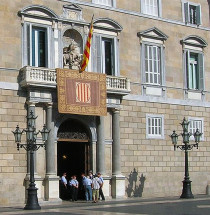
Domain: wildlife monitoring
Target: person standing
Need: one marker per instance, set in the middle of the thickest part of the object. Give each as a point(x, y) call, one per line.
point(90, 174)
point(87, 186)
point(63, 188)
point(101, 194)
point(74, 184)
point(96, 187)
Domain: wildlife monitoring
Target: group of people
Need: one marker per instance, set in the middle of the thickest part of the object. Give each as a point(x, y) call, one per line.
point(92, 186)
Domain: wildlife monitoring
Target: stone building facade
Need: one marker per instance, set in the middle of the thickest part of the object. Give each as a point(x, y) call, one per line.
point(155, 54)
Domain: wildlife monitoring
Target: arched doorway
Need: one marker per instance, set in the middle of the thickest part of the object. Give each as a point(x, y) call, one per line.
point(73, 149)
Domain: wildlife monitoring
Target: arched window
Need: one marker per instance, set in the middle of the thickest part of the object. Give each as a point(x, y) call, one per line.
point(37, 36)
point(105, 48)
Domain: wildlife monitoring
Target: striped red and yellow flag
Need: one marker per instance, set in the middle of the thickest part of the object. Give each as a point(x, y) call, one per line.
point(86, 53)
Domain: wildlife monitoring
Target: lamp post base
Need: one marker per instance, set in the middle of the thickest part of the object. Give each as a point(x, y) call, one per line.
point(186, 192)
point(32, 201)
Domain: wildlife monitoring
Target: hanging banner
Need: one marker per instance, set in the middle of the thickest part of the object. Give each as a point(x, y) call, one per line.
point(81, 93)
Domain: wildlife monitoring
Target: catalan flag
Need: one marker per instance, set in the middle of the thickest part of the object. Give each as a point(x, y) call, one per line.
point(86, 53)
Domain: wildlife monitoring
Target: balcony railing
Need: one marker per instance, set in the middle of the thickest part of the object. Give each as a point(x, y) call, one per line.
point(42, 77)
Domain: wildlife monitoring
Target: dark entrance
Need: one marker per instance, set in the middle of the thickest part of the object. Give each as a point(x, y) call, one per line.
point(72, 158)
point(73, 151)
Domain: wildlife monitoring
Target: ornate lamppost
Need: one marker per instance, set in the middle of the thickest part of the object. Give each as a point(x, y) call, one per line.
point(31, 146)
point(186, 191)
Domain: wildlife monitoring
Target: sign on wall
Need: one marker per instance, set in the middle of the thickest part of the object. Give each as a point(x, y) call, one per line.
point(81, 93)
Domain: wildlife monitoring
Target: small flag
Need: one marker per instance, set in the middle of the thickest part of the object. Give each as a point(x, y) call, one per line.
point(86, 53)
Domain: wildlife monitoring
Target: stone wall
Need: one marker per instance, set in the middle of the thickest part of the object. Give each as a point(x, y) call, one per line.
point(158, 165)
point(12, 162)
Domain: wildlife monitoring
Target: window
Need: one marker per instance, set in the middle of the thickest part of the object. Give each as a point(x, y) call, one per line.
point(104, 56)
point(151, 7)
point(154, 127)
point(194, 68)
point(152, 64)
point(104, 2)
point(107, 59)
point(39, 49)
point(192, 13)
point(105, 52)
point(196, 123)
point(39, 37)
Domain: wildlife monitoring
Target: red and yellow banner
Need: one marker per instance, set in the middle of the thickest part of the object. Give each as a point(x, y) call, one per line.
point(86, 53)
point(81, 93)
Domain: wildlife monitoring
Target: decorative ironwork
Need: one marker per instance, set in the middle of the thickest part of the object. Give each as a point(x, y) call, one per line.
point(31, 146)
point(186, 191)
point(73, 135)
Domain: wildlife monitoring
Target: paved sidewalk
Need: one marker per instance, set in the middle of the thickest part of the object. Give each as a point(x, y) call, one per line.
point(200, 205)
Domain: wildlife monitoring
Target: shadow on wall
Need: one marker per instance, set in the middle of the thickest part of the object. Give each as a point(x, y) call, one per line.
point(134, 190)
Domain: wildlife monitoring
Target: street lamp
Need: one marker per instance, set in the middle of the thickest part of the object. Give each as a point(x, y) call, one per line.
point(186, 191)
point(31, 145)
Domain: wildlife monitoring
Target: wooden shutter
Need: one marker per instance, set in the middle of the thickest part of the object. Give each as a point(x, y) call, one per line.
point(142, 6)
point(186, 12)
point(200, 71)
point(198, 15)
point(28, 30)
point(162, 66)
point(116, 57)
point(96, 53)
point(187, 68)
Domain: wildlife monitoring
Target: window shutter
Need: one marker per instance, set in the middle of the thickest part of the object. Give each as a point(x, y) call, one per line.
point(201, 71)
point(142, 6)
point(198, 15)
point(116, 56)
point(162, 66)
point(187, 68)
point(186, 12)
point(28, 45)
point(96, 53)
point(143, 75)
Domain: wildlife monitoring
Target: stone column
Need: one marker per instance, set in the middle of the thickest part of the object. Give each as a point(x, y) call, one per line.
point(100, 155)
point(116, 165)
point(50, 144)
point(100, 147)
point(118, 180)
point(51, 179)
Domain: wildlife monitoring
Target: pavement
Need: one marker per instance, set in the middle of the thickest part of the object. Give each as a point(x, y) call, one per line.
point(200, 205)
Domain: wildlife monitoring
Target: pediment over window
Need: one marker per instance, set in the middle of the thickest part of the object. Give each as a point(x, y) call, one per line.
point(73, 7)
point(38, 11)
point(108, 24)
point(153, 33)
point(194, 40)
point(72, 11)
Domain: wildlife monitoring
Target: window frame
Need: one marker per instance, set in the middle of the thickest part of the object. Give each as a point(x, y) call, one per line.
point(97, 66)
point(200, 68)
point(162, 63)
point(186, 12)
point(190, 119)
point(27, 44)
point(113, 3)
point(159, 5)
point(154, 136)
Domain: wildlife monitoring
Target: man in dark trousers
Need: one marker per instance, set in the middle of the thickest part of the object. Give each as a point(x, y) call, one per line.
point(101, 186)
point(74, 184)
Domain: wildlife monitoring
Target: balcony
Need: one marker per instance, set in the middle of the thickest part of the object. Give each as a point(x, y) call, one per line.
point(43, 77)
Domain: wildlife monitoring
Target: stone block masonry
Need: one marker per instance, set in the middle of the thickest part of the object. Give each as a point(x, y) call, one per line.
point(155, 160)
